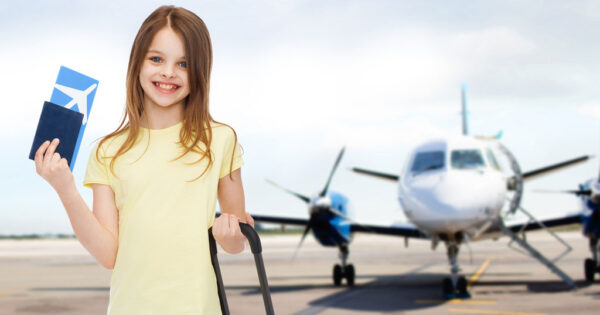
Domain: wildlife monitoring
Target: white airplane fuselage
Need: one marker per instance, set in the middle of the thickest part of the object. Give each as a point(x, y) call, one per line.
point(451, 186)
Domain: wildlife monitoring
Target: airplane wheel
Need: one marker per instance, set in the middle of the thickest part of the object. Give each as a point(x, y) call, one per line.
point(590, 269)
point(350, 275)
point(447, 286)
point(461, 285)
point(337, 275)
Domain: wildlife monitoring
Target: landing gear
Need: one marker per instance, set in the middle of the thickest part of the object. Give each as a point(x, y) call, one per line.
point(454, 286)
point(337, 275)
point(461, 286)
point(451, 291)
point(343, 270)
point(590, 265)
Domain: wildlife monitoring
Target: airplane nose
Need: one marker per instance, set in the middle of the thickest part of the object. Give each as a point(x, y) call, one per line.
point(468, 189)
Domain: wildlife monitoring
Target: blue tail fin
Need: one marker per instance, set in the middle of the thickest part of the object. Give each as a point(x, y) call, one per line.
point(465, 113)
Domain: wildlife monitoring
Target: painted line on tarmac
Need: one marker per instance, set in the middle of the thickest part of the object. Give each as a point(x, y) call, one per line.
point(476, 276)
point(336, 297)
point(458, 301)
point(489, 312)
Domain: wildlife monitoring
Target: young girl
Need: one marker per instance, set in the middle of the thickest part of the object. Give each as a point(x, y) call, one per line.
point(156, 178)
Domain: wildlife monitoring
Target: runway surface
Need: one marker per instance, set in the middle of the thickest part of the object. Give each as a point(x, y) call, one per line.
point(59, 277)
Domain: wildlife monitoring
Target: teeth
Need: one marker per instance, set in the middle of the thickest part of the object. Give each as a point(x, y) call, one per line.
point(165, 86)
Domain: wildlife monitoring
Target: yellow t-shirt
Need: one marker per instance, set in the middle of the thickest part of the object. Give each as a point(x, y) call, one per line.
point(163, 261)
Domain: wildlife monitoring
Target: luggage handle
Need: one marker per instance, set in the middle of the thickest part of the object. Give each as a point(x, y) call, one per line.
point(256, 248)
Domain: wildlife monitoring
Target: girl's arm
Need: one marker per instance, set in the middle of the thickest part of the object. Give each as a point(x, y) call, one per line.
point(226, 228)
point(97, 231)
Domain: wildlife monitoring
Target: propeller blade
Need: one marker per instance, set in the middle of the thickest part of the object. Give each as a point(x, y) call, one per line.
point(579, 192)
point(345, 217)
point(337, 162)
point(308, 226)
point(341, 215)
point(300, 196)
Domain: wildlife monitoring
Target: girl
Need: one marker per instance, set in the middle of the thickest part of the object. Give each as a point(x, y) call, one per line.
point(157, 177)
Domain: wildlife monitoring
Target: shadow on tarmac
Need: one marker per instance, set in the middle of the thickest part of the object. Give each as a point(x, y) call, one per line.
point(411, 291)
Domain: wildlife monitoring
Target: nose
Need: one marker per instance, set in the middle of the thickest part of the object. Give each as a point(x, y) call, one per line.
point(167, 71)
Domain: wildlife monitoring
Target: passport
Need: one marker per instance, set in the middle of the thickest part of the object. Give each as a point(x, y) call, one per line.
point(58, 122)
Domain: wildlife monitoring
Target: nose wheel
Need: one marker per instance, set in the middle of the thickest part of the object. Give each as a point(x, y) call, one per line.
point(344, 270)
point(452, 291)
point(454, 286)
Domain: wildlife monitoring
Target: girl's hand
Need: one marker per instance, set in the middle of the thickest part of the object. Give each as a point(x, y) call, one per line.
point(50, 166)
point(249, 219)
point(226, 230)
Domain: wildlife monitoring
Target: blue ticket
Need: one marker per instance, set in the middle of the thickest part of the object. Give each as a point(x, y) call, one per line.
point(75, 91)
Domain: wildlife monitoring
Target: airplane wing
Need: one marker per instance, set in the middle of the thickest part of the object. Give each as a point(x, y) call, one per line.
point(279, 220)
point(549, 222)
point(405, 229)
point(555, 167)
point(396, 229)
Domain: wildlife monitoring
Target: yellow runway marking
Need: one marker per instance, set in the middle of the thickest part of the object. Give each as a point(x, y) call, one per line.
point(457, 301)
point(471, 311)
point(478, 273)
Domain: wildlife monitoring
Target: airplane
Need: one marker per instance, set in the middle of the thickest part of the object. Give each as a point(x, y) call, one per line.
point(589, 193)
point(452, 191)
point(79, 97)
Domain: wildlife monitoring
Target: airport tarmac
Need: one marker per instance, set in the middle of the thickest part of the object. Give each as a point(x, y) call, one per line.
point(59, 277)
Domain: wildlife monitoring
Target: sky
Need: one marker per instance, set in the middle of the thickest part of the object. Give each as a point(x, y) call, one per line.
point(298, 80)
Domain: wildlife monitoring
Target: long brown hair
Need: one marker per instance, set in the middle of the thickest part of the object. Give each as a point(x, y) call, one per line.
point(196, 127)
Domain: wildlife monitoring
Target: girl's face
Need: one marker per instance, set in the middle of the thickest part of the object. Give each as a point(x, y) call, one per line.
point(163, 75)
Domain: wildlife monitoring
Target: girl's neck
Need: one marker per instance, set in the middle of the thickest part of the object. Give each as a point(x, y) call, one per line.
point(157, 117)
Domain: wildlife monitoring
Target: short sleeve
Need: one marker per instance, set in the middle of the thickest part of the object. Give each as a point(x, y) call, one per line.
point(97, 171)
point(232, 151)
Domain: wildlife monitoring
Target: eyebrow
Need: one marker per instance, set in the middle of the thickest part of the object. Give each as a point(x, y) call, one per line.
point(161, 53)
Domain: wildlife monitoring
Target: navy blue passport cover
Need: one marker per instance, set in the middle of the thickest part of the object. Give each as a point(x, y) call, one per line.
point(57, 122)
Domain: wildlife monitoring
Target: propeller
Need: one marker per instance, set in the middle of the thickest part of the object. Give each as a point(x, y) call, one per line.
point(579, 192)
point(306, 230)
point(590, 189)
point(300, 196)
point(337, 162)
point(311, 222)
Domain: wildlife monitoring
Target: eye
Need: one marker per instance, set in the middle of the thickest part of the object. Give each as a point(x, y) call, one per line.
point(183, 64)
point(155, 59)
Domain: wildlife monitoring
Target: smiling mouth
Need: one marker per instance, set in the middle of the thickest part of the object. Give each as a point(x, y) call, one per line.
point(166, 86)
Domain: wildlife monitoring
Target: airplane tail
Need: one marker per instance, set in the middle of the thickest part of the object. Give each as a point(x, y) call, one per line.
point(465, 121)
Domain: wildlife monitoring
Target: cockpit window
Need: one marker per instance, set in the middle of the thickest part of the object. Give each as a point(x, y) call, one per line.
point(466, 159)
point(492, 159)
point(425, 161)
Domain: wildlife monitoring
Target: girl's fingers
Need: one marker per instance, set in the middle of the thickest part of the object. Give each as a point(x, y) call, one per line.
point(55, 158)
point(249, 219)
point(234, 225)
point(221, 224)
point(50, 152)
point(39, 155)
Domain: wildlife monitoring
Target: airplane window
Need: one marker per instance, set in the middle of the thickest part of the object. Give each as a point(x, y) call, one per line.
point(464, 159)
point(425, 161)
point(492, 159)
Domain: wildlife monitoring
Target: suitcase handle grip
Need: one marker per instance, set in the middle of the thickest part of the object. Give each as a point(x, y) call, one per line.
point(249, 233)
point(252, 237)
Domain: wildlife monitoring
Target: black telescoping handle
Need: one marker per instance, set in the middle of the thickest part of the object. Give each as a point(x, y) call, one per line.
point(215, 262)
point(256, 248)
